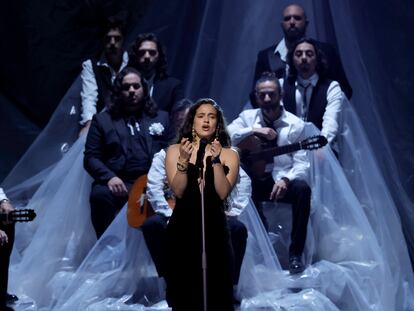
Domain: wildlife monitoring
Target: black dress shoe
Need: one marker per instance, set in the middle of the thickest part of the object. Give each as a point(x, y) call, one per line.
point(295, 265)
point(10, 298)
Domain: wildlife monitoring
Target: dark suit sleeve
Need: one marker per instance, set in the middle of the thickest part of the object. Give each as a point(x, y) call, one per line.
point(94, 149)
point(336, 71)
point(178, 93)
point(169, 134)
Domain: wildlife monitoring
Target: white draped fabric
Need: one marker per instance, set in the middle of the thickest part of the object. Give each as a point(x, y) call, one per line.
point(351, 265)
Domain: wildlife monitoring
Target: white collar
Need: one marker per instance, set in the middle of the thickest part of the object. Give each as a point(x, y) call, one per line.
point(313, 79)
point(282, 50)
point(279, 122)
point(104, 62)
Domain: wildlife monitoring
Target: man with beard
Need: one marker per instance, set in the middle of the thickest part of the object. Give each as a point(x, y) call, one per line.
point(283, 179)
point(121, 144)
point(148, 56)
point(98, 74)
point(274, 58)
point(308, 93)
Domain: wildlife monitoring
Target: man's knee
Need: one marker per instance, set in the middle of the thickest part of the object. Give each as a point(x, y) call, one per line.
point(237, 228)
point(301, 187)
point(100, 194)
point(154, 223)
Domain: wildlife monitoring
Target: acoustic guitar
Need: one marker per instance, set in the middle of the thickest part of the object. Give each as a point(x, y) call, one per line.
point(18, 215)
point(255, 154)
point(139, 209)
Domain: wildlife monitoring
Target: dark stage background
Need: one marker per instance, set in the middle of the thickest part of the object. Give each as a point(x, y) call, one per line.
point(211, 45)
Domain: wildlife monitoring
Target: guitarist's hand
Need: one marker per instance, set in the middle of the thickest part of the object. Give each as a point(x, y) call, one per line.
point(3, 238)
point(6, 207)
point(279, 190)
point(117, 186)
point(265, 132)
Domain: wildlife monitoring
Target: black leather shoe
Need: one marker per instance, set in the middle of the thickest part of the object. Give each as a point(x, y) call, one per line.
point(10, 298)
point(295, 265)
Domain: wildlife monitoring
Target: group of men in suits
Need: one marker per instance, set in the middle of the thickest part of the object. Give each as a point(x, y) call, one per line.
point(115, 168)
point(308, 70)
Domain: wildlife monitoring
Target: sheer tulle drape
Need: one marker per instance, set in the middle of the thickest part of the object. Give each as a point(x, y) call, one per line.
point(350, 265)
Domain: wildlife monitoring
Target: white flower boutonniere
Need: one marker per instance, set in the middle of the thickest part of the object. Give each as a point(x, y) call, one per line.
point(156, 129)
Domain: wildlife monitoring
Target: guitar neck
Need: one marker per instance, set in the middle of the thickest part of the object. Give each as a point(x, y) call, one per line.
point(19, 215)
point(269, 153)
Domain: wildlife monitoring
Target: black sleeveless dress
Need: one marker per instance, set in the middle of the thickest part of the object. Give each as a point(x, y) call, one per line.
point(184, 275)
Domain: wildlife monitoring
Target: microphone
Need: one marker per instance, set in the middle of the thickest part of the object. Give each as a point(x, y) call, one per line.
point(200, 153)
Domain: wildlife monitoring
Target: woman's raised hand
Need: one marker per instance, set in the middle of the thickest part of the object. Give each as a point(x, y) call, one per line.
point(186, 149)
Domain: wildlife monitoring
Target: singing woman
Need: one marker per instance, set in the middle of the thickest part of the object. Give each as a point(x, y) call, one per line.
point(212, 177)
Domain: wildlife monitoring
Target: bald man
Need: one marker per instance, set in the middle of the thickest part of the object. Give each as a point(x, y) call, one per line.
point(274, 58)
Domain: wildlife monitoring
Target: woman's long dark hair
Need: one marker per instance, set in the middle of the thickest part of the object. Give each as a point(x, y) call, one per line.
point(221, 132)
point(116, 108)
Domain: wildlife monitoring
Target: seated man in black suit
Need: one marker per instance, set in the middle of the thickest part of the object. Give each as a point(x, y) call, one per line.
point(274, 58)
point(120, 145)
point(148, 56)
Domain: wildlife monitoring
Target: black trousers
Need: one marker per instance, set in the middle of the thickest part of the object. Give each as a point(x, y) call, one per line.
point(104, 206)
point(299, 195)
point(155, 235)
point(154, 230)
point(5, 252)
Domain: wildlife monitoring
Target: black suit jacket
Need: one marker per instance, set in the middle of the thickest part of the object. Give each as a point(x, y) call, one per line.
point(167, 92)
point(268, 61)
point(106, 146)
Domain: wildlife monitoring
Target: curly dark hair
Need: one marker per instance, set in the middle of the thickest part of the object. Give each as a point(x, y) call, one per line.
point(186, 130)
point(114, 22)
point(116, 107)
point(321, 61)
point(161, 66)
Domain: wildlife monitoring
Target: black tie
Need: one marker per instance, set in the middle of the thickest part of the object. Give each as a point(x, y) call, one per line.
point(133, 126)
point(305, 101)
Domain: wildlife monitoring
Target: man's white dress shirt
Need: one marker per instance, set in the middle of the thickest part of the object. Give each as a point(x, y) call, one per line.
point(289, 128)
point(89, 92)
point(2, 195)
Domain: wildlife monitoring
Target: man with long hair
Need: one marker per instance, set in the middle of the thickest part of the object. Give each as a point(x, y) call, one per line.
point(274, 58)
point(147, 54)
point(308, 93)
point(120, 145)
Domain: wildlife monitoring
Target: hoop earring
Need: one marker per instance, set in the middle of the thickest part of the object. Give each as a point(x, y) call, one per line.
point(193, 133)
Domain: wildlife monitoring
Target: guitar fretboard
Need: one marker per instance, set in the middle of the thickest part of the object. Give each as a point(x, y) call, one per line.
point(269, 153)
